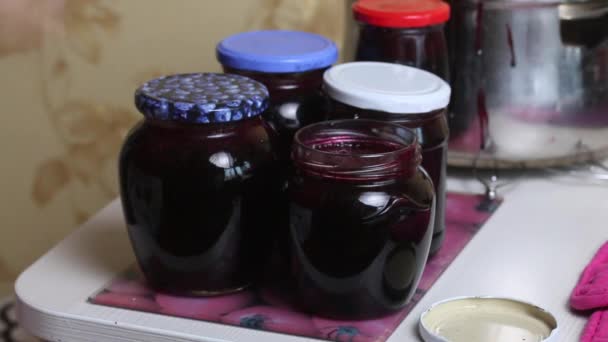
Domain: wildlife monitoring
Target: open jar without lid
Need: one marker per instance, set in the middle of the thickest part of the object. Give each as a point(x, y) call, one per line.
point(402, 95)
point(196, 178)
point(361, 212)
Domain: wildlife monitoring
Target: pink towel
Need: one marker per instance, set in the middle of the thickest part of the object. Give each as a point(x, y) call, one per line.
point(597, 328)
point(591, 292)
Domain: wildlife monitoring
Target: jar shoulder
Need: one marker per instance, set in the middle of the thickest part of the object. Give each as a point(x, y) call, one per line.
point(149, 144)
point(314, 191)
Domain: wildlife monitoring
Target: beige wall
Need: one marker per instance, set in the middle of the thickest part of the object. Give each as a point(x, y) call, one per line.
point(69, 69)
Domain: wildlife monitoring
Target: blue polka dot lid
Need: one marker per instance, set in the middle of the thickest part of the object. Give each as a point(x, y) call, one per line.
point(201, 98)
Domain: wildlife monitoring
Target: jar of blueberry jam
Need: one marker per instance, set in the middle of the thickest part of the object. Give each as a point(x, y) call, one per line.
point(361, 212)
point(291, 65)
point(406, 32)
point(197, 176)
point(402, 95)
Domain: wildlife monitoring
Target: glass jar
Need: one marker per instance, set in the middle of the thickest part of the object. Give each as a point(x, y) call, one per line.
point(406, 32)
point(196, 179)
point(291, 65)
point(361, 211)
point(402, 95)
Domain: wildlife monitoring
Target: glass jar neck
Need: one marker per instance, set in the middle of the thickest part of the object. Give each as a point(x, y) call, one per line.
point(412, 30)
point(284, 84)
point(504, 4)
point(209, 130)
point(356, 150)
point(431, 127)
point(343, 108)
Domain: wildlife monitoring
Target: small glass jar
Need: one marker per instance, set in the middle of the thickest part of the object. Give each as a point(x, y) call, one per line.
point(196, 179)
point(406, 32)
point(402, 95)
point(291, 65)
point(361, 212)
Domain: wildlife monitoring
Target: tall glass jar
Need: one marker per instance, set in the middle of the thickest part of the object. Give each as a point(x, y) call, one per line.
point(197, 176)
point(406, 32)
point(291, 65)
point(361, 211)
point(402, 95)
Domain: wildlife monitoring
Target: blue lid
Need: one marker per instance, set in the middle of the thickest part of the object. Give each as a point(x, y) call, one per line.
point(277, 51)
point(201, 98)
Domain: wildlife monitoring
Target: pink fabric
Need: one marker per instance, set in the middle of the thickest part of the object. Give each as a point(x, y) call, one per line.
point(591, 292)
point(597, 328)
point(271, 309)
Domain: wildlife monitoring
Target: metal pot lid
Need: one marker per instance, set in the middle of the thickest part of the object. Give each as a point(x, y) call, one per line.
point(466, 319)
point(509, 4)
point(577, 10)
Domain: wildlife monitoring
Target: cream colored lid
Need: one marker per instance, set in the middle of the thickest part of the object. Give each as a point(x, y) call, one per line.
point(482, 319)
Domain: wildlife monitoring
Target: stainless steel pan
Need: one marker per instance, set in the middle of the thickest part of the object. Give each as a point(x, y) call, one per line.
point(529, 81)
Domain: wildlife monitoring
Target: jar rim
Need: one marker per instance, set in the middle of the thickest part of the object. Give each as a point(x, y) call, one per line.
point(297, 137)
point(402, 159)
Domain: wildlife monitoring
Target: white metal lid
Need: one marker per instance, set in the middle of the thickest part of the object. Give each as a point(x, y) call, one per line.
point(465, 319)
point(386, 87)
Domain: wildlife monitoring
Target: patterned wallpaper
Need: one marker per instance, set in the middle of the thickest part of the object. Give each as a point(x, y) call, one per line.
point(69, 70)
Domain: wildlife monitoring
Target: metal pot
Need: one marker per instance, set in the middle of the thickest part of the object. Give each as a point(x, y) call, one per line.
point(529, 82)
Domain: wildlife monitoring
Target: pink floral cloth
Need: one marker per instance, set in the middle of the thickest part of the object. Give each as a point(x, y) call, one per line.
point(270, 310)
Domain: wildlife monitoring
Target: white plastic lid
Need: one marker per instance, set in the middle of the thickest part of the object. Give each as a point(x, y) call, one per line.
point(386, 87)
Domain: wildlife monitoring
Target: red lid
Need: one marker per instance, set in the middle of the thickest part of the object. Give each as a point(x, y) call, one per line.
point(402, 13)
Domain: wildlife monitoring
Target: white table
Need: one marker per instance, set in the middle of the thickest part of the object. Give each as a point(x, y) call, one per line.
point(533, 248)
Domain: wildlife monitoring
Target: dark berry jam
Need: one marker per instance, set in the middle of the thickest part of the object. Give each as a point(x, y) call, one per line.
point(197, 178)
point(296, 101)
point(423, 48)
point(432, 133)
point(408, 32)
point(291, 65)
point(401, 95)
point(361, 212)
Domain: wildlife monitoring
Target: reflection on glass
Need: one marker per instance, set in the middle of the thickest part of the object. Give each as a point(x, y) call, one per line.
point(374, 199)
point(289, 114)
point(223, 160)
